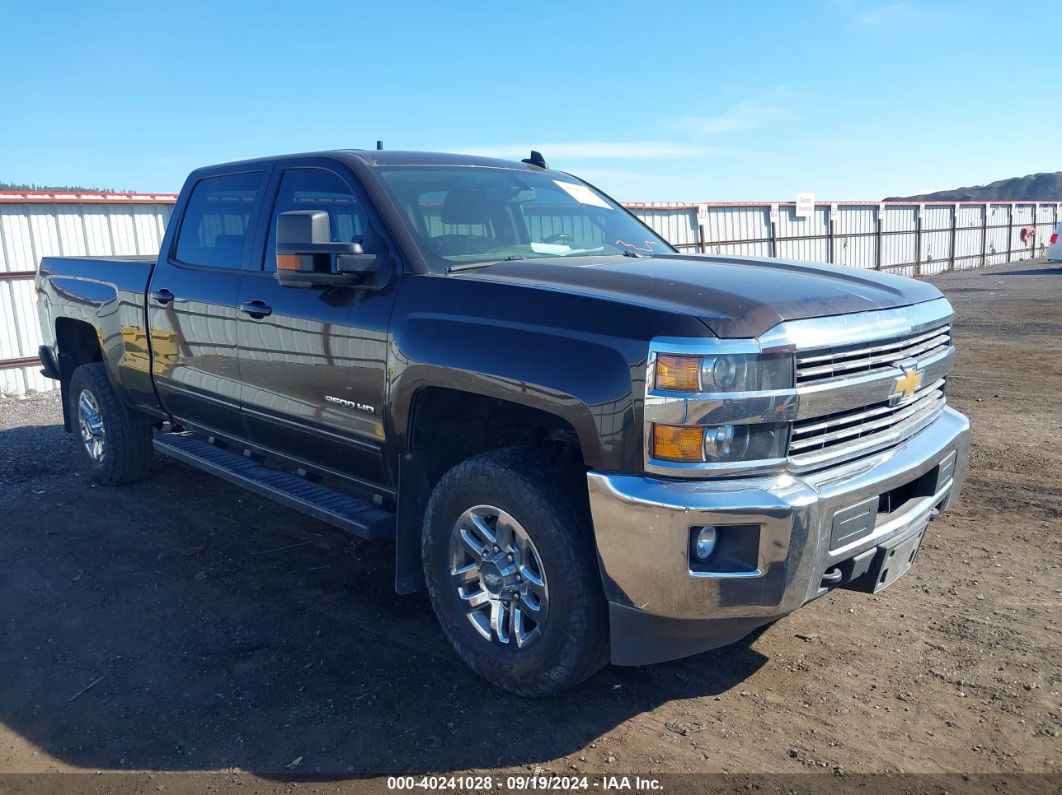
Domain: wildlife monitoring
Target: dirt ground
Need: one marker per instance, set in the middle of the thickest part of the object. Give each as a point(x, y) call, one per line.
point(217, 631)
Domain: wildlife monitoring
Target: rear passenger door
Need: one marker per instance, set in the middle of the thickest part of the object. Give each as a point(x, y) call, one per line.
point(191, 301)
point(313, 360)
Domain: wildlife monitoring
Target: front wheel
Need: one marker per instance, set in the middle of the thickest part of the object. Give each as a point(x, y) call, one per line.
point(512, 572)
point(114, 446)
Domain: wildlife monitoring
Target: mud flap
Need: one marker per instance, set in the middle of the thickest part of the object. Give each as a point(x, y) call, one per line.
point(414, 489)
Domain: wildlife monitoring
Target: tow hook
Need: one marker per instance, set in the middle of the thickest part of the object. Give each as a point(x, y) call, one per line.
point(832, 577)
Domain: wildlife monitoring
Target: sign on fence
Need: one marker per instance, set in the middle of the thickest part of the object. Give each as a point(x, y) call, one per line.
point(805, 205)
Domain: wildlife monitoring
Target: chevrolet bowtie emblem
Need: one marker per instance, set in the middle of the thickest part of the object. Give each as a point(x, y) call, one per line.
point(907, 384)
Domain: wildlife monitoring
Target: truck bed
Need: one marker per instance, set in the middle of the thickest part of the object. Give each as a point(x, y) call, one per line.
point(125, 274)
point(106, 295)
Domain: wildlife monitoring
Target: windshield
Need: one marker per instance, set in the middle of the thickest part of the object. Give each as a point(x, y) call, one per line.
point(467, 215)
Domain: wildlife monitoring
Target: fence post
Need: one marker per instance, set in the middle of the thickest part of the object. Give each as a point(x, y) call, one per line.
point(773, 220)
point(702, 222)
point(829, 234)
point(1010, 230)
point(984, 237)
point(877, 242)
point(918, 239)
point(954, 234)
point(1055, 219)
point(1036, 228)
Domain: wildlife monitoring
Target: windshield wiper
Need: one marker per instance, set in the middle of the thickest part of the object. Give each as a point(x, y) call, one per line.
point(630, 252)
point(469, 266)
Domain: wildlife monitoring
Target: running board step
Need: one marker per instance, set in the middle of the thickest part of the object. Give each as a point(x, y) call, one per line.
point(353, 515)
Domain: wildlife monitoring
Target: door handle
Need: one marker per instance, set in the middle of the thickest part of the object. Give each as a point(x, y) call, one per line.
point(256, 309)
point(163, 296)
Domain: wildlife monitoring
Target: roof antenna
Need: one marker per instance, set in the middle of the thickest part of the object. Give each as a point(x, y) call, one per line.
point(536, 159)
point(379, 146)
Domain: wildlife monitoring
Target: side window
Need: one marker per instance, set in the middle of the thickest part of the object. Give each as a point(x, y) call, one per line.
point(319, 189)
point(216, 220)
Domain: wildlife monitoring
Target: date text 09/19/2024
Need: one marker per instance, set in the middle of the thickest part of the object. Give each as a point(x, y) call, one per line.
point(521, 783)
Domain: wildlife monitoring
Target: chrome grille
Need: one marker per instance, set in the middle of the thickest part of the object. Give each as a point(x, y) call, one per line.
point(844, 362)
point(847, 433)
point(846, 402)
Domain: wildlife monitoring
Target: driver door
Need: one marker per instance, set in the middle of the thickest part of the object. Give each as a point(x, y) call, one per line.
point(313, 361)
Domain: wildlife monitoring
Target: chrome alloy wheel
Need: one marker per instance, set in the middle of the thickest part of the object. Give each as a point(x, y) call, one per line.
point(499, 578)
point(93, 434)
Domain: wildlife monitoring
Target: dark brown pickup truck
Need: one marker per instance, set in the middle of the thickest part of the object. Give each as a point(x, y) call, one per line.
point(586, 445)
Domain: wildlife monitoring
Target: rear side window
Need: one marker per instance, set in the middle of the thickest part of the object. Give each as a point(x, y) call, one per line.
point(216, 221)
point(319, 189)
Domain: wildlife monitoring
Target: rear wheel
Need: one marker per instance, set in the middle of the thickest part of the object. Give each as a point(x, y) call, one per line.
point(512, 573)
point(114, 447)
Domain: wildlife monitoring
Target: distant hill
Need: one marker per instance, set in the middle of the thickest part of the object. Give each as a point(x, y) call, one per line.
point(57, 188)
point(1035, 187)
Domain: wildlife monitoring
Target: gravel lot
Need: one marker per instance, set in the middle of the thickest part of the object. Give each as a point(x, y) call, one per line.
point(215, 631)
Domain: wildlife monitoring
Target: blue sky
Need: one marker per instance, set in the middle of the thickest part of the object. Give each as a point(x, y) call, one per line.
point(651, 101)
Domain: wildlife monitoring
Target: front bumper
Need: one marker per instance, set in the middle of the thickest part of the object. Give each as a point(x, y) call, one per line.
point(661, 608)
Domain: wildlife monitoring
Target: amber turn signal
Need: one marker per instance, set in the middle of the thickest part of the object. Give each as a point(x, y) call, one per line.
point(675, 443)
point(678, 373)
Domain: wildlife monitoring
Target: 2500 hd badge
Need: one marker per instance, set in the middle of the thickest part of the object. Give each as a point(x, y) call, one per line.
point(350, 404)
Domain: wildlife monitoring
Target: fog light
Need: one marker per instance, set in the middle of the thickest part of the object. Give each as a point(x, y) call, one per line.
point(705, 543)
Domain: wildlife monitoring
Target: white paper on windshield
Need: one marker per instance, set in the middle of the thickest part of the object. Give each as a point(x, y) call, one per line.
point(582, 194)
point(551, 248)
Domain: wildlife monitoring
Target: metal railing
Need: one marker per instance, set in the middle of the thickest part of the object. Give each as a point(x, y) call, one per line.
point(919, 238)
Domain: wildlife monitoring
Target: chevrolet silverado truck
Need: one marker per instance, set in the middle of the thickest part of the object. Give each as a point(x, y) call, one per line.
point(586, 445)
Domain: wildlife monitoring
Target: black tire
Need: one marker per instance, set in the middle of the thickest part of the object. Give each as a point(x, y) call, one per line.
point(543, 496)
point(126, 453)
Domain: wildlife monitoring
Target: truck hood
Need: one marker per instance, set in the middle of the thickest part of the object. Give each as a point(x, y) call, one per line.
point(733, 296)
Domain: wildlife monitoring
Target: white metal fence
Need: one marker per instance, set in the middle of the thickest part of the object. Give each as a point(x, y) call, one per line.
point(35, 225)
point(909, 238)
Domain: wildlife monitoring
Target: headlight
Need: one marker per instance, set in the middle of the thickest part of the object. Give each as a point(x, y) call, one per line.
point(719, 444)
point(723, 443)
point(717, 406)
point(720, 373)
point(735, 372)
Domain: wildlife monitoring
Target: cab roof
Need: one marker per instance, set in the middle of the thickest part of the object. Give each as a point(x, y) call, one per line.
point(398, 157)
point(391, 157)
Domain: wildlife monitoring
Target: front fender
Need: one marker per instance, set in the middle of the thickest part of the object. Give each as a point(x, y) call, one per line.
point(579, 358)
point(582, 380)
point(585, 382)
